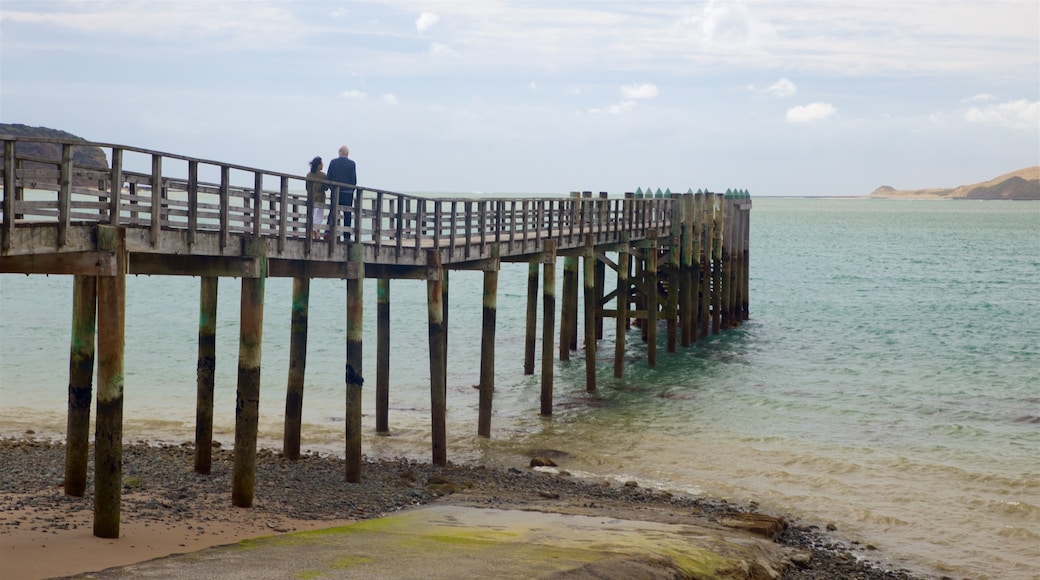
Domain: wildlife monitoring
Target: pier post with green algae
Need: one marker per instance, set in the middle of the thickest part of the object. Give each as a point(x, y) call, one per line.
point(205, 368)
point(301, 292)
point(651, 299)
point(623, 288)
point(383, 355)
point(438, 356)
point(354, 376)
point(532, 316)
point(548, 323)
point(108, 427)
point(487, 344)
point(247, 398)
point(81, 376)
point(589, 282)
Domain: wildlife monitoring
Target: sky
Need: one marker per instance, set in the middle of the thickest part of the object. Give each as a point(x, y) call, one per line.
point(779, 97)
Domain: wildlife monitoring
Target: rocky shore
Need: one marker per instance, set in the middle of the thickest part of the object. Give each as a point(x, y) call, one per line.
point(160, 490)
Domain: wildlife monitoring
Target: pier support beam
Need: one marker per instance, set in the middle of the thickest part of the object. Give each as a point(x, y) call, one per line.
point(438, 357)
point(205, 368)
point(247, 398)
point(81, 385)
point(532, 316)
point(651, 300)
point(354, 378)
point(687, 278)
point(548, 324)
point(383, 355)
point(622, 307)
point(108, 428)
point(301, 292)
point(705, 202)
point(600, 277)
point(589, 283)
point(487, 346)
point(718, 221)
point(569, 310)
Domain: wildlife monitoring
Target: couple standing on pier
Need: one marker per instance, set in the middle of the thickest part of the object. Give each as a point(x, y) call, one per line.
point(342, 170)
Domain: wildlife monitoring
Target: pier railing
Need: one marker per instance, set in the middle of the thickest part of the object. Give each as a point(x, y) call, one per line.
point(174, 201)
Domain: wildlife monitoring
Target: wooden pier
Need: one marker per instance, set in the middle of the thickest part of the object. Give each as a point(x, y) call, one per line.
point(681, 262)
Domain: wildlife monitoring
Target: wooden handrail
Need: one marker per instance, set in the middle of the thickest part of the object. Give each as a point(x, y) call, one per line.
point(177, 199)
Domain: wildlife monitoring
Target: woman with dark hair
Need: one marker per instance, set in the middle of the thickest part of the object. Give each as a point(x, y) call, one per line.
point(316, 192)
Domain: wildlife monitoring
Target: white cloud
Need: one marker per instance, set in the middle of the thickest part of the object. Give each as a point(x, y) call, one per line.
point(353, 94)
point(425, 21)
point(644, 91)
point(389, 98)
point(810, 113)
point(980, 98)
point(441, 50)
point(1020, 114)
point(782, 88)
point(617, 109)
point(728, 26)
point(532, 85)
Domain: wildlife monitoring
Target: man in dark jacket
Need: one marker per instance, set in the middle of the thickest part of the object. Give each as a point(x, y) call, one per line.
point(343, 170)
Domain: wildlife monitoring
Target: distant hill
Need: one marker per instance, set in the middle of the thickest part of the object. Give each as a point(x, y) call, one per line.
point(92, 157)
point(1018, 185)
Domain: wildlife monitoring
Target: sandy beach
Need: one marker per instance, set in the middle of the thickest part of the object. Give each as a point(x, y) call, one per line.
point(168, 509)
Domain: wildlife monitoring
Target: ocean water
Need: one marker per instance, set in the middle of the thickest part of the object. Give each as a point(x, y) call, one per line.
point(888, 380)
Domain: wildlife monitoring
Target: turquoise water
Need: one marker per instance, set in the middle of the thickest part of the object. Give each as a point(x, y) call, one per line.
point(888, 380)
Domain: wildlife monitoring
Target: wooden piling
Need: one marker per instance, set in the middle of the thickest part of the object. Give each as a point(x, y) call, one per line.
point(108, 427)
point(548, 323)
point(438, 356)
point(301, 291)
point(383, 355)
point(746, 258)
point(651, 299)
point(569, 308)
point(600, 279)
point(718, 222)
point(589, 282)
point(672, 301)
point(686, 276)
point(247, 399)
point(354, 376)
point(622, 307)
point(728, 270)
point(532, 316)
point(445, 290)
point(204, 374)
point(81, 386)
point(487, 346)
point(704, 282)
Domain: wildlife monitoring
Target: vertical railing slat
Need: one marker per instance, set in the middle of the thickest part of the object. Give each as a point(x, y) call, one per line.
point(156, 209)
point(225, 210)
point(64, 194)
point(258, 189)
point(283, 213)
point(193, 200)
point(9, 195)
point(400, 230)
point(378, 220)
point(115, 187)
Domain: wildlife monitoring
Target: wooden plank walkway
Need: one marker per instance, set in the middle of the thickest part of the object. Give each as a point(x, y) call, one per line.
point(681, 260)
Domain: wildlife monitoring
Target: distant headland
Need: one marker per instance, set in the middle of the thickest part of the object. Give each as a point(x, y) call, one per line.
point(1023, 184)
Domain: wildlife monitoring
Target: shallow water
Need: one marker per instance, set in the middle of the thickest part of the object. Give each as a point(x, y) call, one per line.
point(888, 380)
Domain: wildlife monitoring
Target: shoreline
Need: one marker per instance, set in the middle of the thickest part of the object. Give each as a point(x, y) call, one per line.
point(168, 509)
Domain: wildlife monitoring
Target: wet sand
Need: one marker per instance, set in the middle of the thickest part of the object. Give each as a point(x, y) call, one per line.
point(168, 509)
